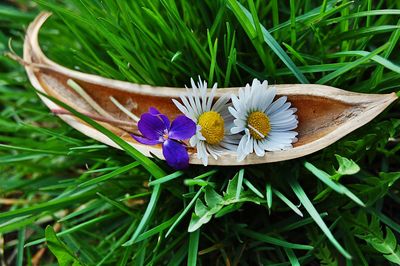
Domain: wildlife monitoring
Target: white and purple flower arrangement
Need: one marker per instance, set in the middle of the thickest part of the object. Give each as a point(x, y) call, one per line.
point(251, 122)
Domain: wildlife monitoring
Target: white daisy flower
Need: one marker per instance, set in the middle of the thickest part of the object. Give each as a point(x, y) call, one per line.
point(213, 136)
point(267, 125)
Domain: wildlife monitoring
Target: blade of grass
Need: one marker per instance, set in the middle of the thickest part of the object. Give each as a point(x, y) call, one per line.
point(20, 248)
point(245, 19)
point(326, 179)
point(166, 178)
point(146, 216)
point(77, 227)
point(301, 195)
point(239, 186)
point(292, 257)
point(158, 229)
point(112, 174)
point(379, 59)
point(184, 212)
point(253, 188)
point(193, 247)
point(268, 193)
point(287, 201)
point(271, 240)
point(351, 65)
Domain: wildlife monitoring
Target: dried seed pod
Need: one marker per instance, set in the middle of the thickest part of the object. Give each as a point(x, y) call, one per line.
point(325, 114)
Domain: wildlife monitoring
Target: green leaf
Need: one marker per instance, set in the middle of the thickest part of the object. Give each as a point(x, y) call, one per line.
point(228, 209)
point(346, 166)
point(212, 198)
point(232, 187)
point(218, 205)
point(200, 209)
point(373, 235)
point(202, 215)
point(197, 221)
point(63, 254)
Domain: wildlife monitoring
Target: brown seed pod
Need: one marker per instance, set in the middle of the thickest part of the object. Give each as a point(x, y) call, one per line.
point(325, 114)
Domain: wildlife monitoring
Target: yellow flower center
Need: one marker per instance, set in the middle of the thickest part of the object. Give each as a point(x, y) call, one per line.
point(259, 126)
point(212, 127)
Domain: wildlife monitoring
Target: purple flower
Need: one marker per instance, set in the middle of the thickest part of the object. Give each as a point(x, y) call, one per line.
point(156, 128)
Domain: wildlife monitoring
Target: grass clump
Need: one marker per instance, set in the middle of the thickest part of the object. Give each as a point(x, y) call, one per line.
point(95, 205)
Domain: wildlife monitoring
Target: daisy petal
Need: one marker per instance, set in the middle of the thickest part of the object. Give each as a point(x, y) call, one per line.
point(180, 107)
point(259, 151)
point(276, 105)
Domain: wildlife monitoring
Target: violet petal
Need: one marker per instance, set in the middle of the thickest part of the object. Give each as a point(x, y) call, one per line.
point(175, 154)
point(145, 140)
point(157, 113)
point(151, 127)
point(154, 111)
point(182, 128)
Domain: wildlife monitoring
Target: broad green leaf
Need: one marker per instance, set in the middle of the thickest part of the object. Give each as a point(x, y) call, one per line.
point(63, 254)
point(232, 186)
point(212, 198)
point(346, 166)
point(200, 209)
point(196, 222)
point(228, 209)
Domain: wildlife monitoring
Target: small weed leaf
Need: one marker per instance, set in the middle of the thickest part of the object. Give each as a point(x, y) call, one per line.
point(346, 166)
point(63, 254)
point(218, 205)
point(373, 235)
point(321, 251)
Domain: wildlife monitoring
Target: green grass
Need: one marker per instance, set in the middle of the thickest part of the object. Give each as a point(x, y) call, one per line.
point(95, 205)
